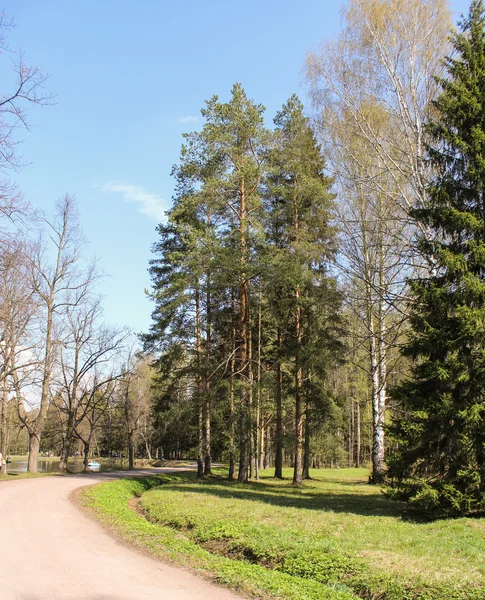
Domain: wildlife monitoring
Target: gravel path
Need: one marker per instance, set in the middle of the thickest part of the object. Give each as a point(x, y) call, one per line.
point(50, 550)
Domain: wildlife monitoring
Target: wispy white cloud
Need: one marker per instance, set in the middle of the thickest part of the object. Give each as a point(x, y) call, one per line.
point(188, 119)
point(148, 203)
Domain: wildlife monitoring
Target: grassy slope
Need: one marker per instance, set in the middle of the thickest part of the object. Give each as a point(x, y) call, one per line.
point(335, 537)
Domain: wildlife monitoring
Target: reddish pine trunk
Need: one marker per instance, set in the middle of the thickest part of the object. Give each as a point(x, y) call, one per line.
point(307, 452)
point(297, 471)
point(207, 460)
point(242, 476)
point(279, 413)
point(232, 460)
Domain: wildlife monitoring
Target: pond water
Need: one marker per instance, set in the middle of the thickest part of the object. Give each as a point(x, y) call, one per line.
point(75, 465)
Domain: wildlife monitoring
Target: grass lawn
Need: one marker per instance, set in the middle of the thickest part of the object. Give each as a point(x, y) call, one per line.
point(333, 538)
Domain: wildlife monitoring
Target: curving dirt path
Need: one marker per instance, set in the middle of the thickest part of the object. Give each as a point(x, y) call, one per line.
point(50, 550)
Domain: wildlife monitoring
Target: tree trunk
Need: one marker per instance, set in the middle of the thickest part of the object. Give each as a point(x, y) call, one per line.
point(96, 446)
point(357, 436)
point(207, 460)
point(251, 420)
point(261, 446)
point(378, 425)
point(297, 470)
point(279, 413)
point(382, 382)
point(34, 436)
point(63, 457)
point(86, 454)
point(307, 452)
point(200, 449)
point(232, 458)
point(379, 374)
point(34, 444)
point(131, 450)
point(351, 432)
point(242, 476)
point(4, 428)
point(200, 452)
point(258, 429)
point(266, 462)
point(66, 447)
point(147, 448)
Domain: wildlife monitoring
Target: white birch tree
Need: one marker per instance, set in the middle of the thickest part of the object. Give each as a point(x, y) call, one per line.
point(371, 90)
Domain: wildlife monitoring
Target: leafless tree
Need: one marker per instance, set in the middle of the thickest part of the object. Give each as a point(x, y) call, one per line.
point(26, 88)
point(58, 286)
point(135, 396)
point(18, 309)
point(87, 360)
point(96, 402)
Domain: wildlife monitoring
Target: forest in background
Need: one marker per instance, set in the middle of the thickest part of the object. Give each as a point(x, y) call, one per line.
point(318, 286)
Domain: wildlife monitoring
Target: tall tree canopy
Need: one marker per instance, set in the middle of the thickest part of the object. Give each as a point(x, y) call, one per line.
point(441, 456)
point(242, 286)
point(372, 89)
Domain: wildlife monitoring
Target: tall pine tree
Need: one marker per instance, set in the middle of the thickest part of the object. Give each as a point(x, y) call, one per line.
point(299, 211)
point(441, 438)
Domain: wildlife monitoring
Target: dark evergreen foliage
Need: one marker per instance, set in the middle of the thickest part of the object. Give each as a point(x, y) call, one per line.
point(440, 461)
point(244, 301)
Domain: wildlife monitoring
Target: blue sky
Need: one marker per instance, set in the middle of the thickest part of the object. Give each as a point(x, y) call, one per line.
point(129, 79)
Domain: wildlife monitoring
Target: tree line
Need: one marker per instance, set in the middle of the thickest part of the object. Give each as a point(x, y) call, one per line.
point(63, 370)
point(63, 367)
point(317, 287)
point(243, 287)
point(318, 284)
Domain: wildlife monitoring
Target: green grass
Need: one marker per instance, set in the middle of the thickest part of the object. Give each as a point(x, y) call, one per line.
point(334, 538)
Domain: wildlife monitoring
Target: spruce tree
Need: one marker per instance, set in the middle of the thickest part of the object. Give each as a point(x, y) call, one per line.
point(440, 461)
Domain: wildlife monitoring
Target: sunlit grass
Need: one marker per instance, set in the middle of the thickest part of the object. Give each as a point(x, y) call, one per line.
point(335, 532)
